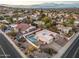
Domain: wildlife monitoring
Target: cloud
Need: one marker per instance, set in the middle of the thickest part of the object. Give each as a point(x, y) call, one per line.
point(32, 2)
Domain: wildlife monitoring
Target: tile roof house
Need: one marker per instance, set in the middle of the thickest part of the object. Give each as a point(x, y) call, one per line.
point(22, 27)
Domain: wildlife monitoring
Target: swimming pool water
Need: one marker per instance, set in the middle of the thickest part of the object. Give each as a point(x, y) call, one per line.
point(32, 38)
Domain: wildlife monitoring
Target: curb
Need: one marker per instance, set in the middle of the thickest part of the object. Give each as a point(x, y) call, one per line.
point(13, 44)
point(64, 49)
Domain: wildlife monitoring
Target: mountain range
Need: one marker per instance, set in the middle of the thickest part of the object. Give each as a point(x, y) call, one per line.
point(45, 5)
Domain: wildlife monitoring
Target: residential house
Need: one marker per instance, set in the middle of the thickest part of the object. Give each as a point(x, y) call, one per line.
point(34, 17)
point(64, 29)
point(76, 22)
point(22, 27)
point(14, 27)
point(31, 28)
point(39, 23)
point(4, 21)
point(45, 36)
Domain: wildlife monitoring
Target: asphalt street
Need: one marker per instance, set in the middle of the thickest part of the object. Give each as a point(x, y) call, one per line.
point(6, 49)
point(73, 50)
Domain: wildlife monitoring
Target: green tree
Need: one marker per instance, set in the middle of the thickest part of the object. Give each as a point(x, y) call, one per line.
point(12, 33)
point(1, 18)
point(2, 26)
point(47, 21)
point(49, 51)
point(69, 22)
point(9, 19)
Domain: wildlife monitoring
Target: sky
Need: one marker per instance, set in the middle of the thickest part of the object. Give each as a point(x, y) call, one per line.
point(33, 2)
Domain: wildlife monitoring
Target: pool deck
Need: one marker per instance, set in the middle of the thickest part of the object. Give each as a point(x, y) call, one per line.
point(29, 40)
point(32, 32)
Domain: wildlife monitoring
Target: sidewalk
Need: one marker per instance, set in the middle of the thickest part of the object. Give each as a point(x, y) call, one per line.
point(64, 49)
point(13, 44)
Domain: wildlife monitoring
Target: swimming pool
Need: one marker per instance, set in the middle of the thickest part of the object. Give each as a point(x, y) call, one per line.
point(31, 38)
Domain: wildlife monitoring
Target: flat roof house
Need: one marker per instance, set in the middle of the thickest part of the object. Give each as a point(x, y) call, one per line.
point(45, 36)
